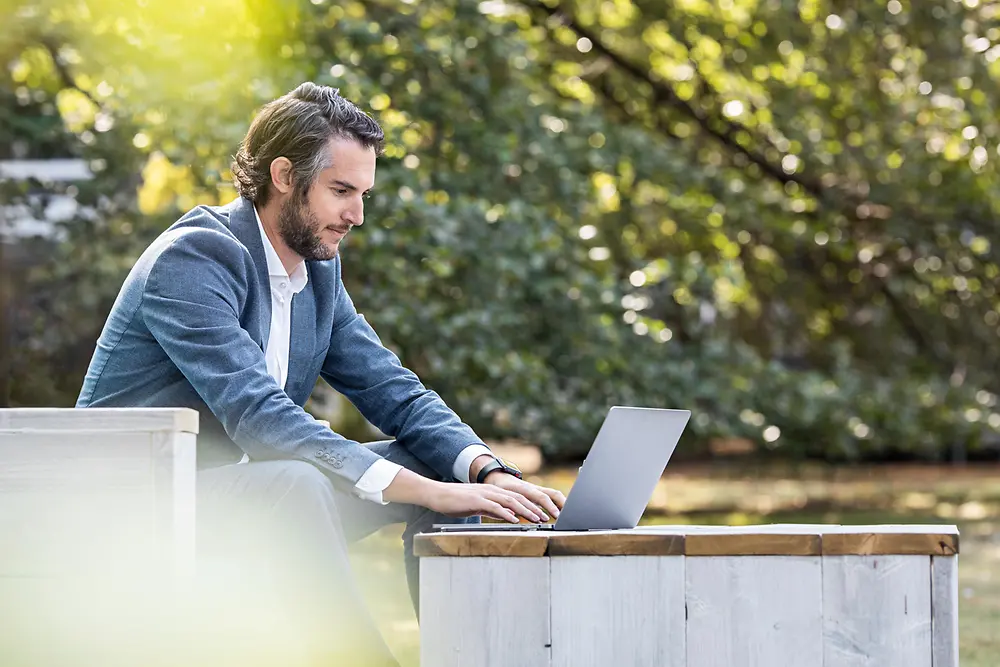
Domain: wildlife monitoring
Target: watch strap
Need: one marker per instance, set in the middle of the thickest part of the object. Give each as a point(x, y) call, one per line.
point(497, 464)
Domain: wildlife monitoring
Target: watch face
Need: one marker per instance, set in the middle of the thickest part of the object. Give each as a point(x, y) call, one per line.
point(508, 464)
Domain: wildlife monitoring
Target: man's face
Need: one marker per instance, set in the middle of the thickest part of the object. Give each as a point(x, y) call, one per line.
point(314, 225)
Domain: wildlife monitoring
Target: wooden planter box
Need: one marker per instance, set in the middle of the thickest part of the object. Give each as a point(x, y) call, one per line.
point(97, 533)
point(692, 596)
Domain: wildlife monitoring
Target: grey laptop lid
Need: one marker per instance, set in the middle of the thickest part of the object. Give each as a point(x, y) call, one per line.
point(621, 470)
point(619, 475)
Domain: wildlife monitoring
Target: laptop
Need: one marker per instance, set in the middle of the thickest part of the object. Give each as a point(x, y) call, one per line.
point(617, 478)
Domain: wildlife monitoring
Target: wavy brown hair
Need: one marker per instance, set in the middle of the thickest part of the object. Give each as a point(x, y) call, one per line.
point(298, 126)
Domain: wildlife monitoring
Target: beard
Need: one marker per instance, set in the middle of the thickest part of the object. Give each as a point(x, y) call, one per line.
point(299, 229)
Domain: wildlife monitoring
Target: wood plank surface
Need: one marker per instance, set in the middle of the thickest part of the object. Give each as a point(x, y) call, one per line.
point(944, 611)
point(877, 611)
point(886, 543)
point(71, 503)
point(615, 543)
point(751, 544)
point(754, 611)
point(513, 544)
point(95, 500)
point(99, 419)
point(777, 540)
point(780, 528)
point(626, 610)
point(484, 612)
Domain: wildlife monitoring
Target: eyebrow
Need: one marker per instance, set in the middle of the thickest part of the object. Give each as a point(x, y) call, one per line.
point(349, 186)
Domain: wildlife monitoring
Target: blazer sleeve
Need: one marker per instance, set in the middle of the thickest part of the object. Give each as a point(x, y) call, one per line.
point(192, 299)
point(390, 396)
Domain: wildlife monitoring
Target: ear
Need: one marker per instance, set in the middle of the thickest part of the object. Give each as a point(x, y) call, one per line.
point(281, 175)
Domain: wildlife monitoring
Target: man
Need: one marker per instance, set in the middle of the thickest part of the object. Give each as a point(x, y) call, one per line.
point(236, 311)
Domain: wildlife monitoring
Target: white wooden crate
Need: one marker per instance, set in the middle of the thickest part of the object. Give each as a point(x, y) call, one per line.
point(97, 532)
point(693, 596)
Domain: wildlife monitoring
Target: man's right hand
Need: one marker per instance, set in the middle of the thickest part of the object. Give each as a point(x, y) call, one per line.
point(461, 500)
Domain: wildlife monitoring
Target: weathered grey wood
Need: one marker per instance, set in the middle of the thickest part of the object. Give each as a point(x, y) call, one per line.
point(97, 530)
point(754, 611)
point(484, 612)
point(80, 500)
point(175, 480)
point(877, 611)
point(74, 502)
point(99, 419)
point(622, 610)
point(819, 608)
point(944, 611)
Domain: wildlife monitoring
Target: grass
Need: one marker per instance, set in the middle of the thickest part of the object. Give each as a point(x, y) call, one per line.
point(731, 495)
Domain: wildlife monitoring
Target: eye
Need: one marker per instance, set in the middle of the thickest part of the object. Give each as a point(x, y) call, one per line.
point(340, 191)
point(366, 196)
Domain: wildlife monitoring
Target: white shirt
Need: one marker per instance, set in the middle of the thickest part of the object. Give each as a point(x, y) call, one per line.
point(283, 288)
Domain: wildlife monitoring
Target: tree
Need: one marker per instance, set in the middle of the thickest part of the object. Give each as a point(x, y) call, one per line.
point(735, 207)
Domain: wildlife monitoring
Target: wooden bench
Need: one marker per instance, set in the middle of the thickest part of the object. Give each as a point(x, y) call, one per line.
point(692, 596)
point(97, 519)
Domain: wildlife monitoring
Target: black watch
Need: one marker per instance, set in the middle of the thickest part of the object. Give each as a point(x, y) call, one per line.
point(497, 464)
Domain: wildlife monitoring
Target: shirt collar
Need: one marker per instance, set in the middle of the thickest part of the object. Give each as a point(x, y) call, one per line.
point(275, 269)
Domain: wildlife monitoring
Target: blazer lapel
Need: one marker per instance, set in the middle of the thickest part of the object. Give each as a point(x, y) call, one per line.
point(302, 335)
point(243, 224)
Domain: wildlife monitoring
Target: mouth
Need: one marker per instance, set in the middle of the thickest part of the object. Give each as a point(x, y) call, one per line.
point(339, 230)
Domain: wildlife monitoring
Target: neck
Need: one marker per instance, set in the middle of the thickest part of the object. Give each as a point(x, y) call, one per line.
point(269, 219)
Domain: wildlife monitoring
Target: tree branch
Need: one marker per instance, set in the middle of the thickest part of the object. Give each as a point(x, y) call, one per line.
point(856, 208)
point(724, 131)
point(65, 77)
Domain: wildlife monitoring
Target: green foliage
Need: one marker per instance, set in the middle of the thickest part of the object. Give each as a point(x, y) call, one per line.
point(776, 215)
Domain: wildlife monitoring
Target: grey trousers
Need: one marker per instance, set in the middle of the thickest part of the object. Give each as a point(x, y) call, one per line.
point(273, 560)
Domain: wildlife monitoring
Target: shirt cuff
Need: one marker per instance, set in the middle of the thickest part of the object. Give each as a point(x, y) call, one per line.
point(375, 480)
point(464, 461)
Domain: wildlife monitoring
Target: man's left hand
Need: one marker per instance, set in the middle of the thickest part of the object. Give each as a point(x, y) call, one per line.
point(547, 501)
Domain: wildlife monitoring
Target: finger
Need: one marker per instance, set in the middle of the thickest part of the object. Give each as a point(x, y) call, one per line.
point(539, 503)
point(513, 502)
point(495, 510)
point(542, 500)
point(519, 508)
point(528, 500)
point(533, 507)
point(557, 497)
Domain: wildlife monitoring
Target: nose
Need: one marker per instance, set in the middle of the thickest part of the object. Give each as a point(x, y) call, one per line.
point(355, 215)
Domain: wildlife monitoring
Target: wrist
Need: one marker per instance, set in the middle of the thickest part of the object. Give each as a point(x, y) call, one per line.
point(477, 465)
point(410, 488)
point(492, 477)
point(497, 465)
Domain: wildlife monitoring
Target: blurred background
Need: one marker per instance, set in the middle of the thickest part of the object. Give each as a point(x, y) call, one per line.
point(779, 214)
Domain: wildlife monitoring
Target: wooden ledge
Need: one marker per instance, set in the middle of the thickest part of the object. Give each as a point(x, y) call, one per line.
point(774, 540)
point(48, 420)
point(886, 540)
point(753, 544)
point(611, 543)
point(514, 544)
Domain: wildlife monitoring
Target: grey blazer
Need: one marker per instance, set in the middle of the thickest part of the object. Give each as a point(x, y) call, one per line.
point(189, 329)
